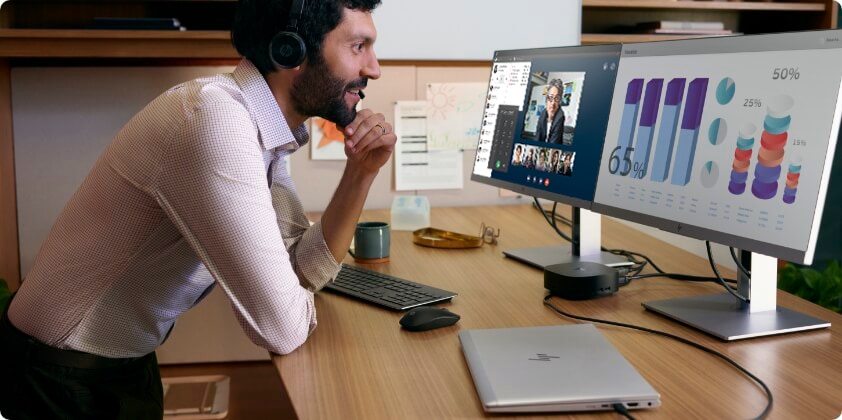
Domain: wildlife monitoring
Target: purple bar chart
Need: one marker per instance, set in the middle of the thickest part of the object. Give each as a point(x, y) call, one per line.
point(629, 118)
point(646, 130)
point(689, 134)
point(666, 135)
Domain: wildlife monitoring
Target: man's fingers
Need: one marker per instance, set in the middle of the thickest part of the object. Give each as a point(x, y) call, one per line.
point(380, 129)
point(387, 140)
point(375, 123)
point(354, 126)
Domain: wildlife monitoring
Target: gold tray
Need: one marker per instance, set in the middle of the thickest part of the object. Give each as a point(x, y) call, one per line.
point(437, 238)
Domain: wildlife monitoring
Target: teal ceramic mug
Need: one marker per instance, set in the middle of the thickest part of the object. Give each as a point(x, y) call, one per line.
point(371, 242)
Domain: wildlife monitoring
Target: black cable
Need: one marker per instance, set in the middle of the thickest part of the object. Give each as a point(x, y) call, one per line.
point(740, 265)
point(719, 277)
point(620, 408)
point(547, 218)
point(630, 256)
point(553, 217)
point(636, 254)
point(639, 265)
point(683, 277)
point(727, 359)
point(558, 217)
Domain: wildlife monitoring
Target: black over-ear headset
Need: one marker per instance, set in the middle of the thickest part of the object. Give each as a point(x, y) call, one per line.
point(287, 49)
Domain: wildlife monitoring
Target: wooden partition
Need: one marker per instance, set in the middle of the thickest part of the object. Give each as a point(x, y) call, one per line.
point(9, 262)
point(402, 80)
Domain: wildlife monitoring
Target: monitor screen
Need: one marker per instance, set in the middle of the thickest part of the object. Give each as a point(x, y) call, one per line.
point(544, 122)
point(725, 139)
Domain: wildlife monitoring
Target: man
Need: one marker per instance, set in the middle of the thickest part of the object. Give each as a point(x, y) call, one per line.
point(529, 160)
point(193, 193)
point(542, 160)
point(553, 166)
point(567, 164)
point(551, 122)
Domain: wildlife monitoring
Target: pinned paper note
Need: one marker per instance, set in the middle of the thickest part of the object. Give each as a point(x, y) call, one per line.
point(417, 167)
point(454, 115)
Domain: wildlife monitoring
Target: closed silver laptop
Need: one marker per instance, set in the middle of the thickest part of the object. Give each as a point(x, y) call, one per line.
point(551, 369)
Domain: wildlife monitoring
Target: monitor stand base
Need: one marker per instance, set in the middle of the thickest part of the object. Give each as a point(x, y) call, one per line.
point(718, 315)
point(550, 255)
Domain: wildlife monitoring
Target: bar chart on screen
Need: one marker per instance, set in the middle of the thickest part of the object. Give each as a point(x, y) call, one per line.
point(718, 139)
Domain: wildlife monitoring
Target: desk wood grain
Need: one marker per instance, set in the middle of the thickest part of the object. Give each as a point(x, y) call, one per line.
point(360, 364)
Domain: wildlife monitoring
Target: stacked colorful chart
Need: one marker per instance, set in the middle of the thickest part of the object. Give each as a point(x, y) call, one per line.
point(792, 176)
point(772, 144)
point(742, 159)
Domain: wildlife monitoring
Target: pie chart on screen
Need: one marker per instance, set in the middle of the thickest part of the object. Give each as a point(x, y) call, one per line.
point(717, 131)
point(710, 174)
point(725, 91)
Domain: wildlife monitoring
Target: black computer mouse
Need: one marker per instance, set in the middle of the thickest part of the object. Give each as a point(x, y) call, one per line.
point(425, 318)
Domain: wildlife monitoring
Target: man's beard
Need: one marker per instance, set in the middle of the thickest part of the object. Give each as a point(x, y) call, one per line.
point(316, 92)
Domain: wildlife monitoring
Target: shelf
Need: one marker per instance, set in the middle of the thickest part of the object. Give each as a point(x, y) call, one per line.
point(149, 46)
point(706, 5)
point(58, 43)
point(588, 39)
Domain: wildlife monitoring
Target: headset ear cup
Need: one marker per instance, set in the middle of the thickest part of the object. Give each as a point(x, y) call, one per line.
point(287, 50)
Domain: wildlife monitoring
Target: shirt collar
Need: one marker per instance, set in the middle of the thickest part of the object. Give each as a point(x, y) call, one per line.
point(273, 127)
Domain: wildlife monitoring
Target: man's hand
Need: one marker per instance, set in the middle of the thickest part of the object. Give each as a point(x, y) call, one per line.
point(369, 141)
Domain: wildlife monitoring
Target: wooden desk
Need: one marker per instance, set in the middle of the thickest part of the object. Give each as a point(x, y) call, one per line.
point(360, 364)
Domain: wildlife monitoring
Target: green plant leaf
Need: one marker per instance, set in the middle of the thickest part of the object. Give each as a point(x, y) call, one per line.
point(823, 288)
point(789, 278)
point(812, 278)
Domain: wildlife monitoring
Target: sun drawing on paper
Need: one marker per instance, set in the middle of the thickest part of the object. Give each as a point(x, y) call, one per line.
point(442, 100)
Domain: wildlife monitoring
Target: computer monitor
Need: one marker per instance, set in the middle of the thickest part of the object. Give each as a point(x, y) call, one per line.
point(542, 133)
point(729, 140)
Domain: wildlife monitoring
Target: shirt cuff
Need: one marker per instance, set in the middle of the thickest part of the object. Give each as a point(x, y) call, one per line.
point(316, 264)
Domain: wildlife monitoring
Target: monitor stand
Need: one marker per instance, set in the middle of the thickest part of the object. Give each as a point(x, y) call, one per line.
point(587, 234)
point(729, 319)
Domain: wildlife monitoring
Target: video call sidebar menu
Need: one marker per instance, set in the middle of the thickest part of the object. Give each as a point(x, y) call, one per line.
point(504, 134)
point(506, 93)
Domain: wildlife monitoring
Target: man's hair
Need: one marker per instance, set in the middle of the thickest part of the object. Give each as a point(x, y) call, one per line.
point(258, 21)
point(558, 83)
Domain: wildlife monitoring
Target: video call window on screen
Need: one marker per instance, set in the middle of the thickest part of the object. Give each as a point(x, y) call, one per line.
point(545, 118)
point(551, 92)
point(543, 159)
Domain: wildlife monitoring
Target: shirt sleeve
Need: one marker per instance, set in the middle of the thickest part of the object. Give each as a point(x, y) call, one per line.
point(213, 187)
point(311, 258)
